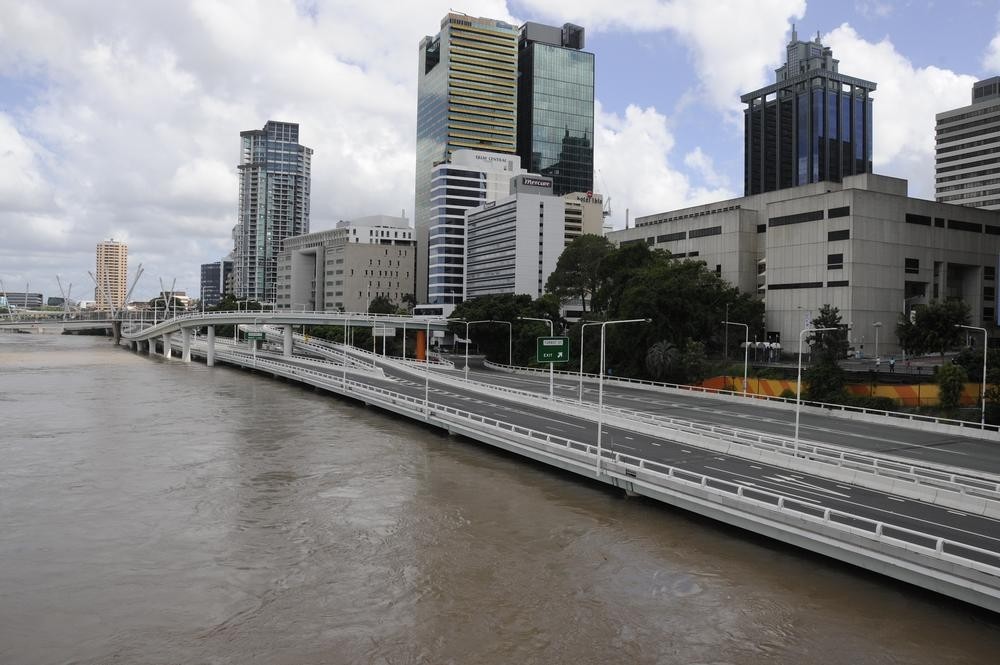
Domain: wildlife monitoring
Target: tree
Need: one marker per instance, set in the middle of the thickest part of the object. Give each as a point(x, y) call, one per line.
point(933, 328)
point(661, 359)
point(951, 379)
point(577, 270)
point(694, 363)
point(381, 305)
point(825, 378)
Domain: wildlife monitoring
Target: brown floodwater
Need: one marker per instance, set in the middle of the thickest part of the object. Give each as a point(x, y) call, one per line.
point(161, 512)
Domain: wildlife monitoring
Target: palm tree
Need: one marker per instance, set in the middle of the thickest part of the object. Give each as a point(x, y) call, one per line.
point(662, 358)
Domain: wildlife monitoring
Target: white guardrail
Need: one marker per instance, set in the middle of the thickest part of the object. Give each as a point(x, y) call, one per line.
point(897, 470)
point(972, 427)
point(638, 470)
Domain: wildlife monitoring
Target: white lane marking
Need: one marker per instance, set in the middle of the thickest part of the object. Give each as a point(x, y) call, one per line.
point(622, 445)
point(721, 459)
point(656, 444)
point(794, 481)
point(685, 451)
point(783, 490)
point(535, 415)
point(754, 466)
point(630, 438)
point(955, 512)
point(845, 487)
point(877, 509)
point(895, 498)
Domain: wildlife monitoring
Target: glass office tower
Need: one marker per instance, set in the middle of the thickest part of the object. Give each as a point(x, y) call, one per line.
point(466, 99)
point(274, 204)
point(813, 124)
point(555, 105)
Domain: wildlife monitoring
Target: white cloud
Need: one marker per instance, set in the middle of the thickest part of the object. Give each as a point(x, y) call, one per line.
point(22, 186)
point(633, 166)
point(873, 9)
point(734, 43)
point(699, 162)
point(906, 101)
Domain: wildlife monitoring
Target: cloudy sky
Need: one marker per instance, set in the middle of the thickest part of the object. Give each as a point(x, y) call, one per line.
point(122, 118)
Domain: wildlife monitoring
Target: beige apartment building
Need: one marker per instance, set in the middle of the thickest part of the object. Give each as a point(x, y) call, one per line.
point(111, 274)
point(345, 268)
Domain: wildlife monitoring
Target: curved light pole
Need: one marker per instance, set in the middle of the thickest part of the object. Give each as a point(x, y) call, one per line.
point(986, 338)
point(876, 325)
point(582, 327)
point(551, 365)
point(798, 383)
point(746, 350)
point(600, 386)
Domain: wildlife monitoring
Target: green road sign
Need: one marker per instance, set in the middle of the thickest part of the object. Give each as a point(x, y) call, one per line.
point(552, 350)
point(255, 335)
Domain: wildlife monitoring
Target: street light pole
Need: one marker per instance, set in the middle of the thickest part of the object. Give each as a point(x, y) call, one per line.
point(551, 365)
point(582, 328)
point(600, 387)
point(876, 325)
point(798, 382)
point(746, 350)
point(986, 338)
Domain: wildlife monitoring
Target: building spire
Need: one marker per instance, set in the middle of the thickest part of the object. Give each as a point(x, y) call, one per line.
point(795, 35)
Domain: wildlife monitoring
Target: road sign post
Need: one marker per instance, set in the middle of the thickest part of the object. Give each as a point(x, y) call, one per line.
point(552, 350)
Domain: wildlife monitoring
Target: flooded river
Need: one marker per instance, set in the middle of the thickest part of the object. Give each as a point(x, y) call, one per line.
point(161, 512)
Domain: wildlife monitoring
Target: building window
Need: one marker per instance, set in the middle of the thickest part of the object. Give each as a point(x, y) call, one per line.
point(718, 268)
point(959, 225)
point(844, 211)
point(843, 234)
point(912, 266)
point(796, 285)
point(923, 220)
point(670, 237)
point(702, 233)
point(840, 282)
point(834, 261)
point(761, 228)
point(989, 273)
point(989, 293)
point(799, 218)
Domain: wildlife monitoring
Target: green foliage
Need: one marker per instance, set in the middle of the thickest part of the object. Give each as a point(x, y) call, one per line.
point(382, 305)
point(972, 360)
point(829, 346)
point(684, 300)
point(951, 378)
point(824, 378)
point(577, 273)
point(933, 329)
point(788, 393)
point(694, 363)
point(661, 359)
point(824, 382)
point(491, 338)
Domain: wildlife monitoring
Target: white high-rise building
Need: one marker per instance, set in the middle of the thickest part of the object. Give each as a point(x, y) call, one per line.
point(967, 165)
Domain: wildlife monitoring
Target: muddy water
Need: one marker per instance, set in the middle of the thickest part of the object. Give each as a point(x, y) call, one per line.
point(155, 512)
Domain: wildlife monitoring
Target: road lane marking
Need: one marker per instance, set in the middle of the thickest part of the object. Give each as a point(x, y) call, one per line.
point(791, 479)
point(895, 498)
point(955, 512)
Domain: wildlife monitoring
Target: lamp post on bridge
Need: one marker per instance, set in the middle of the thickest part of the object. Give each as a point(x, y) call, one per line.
point(551, 365)
point(798, 383)
point(600, 386)
point(746, 350)
point(582, 328)
point(986, 339)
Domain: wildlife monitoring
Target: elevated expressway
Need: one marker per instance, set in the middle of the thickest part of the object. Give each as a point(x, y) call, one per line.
point(867, 498)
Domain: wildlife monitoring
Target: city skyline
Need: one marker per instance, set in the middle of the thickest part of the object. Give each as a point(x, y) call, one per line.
point(117, 120)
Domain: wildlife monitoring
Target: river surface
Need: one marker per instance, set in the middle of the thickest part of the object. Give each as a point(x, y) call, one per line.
point(162, 512)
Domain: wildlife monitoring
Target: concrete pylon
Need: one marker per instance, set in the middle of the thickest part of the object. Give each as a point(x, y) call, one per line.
point(287, 348)
point(150, 345)
point(186, 345)
point(167, 351)
point(210, 354)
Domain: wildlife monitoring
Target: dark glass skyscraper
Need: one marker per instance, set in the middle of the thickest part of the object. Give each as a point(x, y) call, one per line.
point(273, 205)
point(813, 124)
point(555, 106)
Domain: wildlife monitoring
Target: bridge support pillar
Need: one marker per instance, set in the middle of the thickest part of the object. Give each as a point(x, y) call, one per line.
point(186, 345)
point(210, 354)
point(167, 351)
point(150, 346)
point(287, 348)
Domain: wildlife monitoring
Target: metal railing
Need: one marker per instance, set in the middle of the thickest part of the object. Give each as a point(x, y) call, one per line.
point(660, 475)
point(912, 417)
